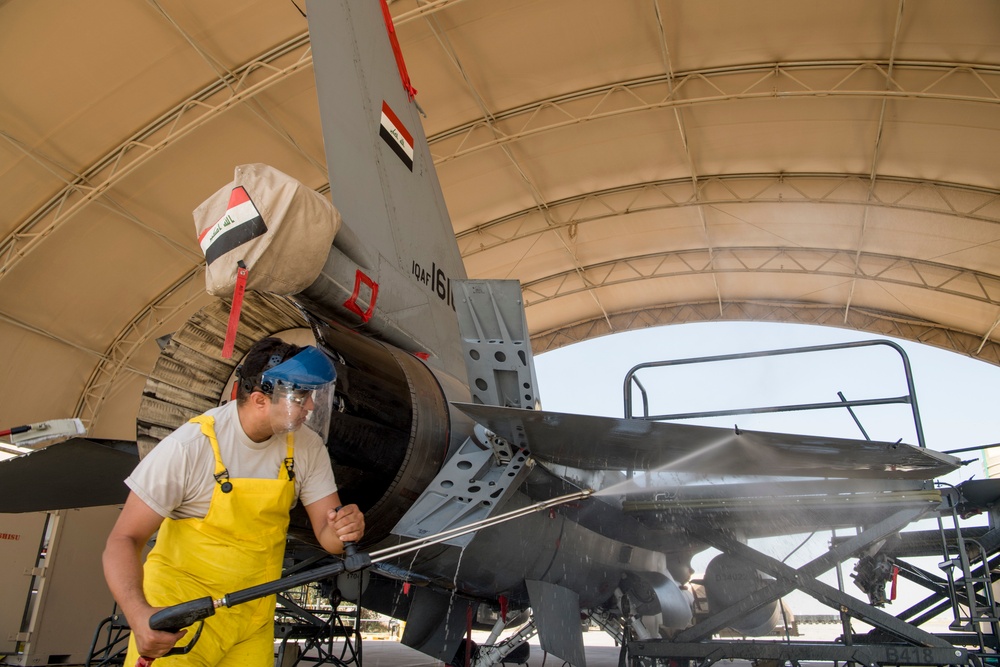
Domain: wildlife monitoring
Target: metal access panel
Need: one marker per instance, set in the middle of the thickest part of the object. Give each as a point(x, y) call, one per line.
point(496, 344)
point(470, 487)
point(71, 596)
point(20, 540)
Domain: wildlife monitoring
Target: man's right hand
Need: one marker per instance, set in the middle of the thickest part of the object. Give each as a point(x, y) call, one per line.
point(148, 642)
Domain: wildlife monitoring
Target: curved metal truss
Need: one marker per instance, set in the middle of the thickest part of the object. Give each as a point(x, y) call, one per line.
point(904, 80)
point(249, 80)
point(950, 199)
point(840, 263)
point(860, 319)
point(146, 325)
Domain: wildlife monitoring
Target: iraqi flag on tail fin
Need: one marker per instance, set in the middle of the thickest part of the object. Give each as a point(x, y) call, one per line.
point(398, 138)
point(241, 223)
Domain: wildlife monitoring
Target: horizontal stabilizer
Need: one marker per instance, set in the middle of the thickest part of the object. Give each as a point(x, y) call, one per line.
point(608, 443)
point(80, 472)
point(50, 431)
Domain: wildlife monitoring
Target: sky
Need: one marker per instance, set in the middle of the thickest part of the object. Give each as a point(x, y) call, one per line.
point(956, 397)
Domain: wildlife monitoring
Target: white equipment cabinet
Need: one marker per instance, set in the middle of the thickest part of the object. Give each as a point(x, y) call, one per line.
point(52, 584)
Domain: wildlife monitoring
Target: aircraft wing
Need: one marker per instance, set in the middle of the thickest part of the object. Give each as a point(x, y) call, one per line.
point(79, 472)
point(601, 443)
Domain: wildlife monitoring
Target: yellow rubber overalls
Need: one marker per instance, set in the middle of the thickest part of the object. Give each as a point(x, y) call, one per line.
point(240, 543)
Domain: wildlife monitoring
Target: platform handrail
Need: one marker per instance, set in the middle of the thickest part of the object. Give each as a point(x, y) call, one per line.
point(909, 398)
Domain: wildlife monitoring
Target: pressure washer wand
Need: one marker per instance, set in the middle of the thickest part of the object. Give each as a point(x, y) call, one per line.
point(444, 536)
point(172, 619)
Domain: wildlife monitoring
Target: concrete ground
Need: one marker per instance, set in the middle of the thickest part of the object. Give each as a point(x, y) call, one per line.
point(600, 652)
point(599, 647)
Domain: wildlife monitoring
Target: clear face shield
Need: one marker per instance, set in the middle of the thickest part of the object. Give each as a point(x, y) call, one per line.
point(301, 390)
point(293, 408)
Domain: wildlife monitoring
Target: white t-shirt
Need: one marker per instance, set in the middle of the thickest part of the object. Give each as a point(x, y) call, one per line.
point(176, 478)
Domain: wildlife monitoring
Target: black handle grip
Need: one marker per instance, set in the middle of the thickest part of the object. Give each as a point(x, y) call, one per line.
point(354, 561)
point(172, 619)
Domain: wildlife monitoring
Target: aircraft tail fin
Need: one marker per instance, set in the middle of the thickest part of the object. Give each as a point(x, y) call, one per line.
point(382, 177)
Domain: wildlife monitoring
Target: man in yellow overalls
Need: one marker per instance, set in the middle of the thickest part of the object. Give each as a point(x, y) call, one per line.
point(219, 490)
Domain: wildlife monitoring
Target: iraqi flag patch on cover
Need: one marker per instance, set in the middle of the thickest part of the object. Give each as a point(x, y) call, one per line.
point(391, 129)
point(241, 223)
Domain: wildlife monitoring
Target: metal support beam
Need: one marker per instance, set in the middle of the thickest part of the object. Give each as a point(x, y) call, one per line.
point(935, 583)
point(804, 578)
